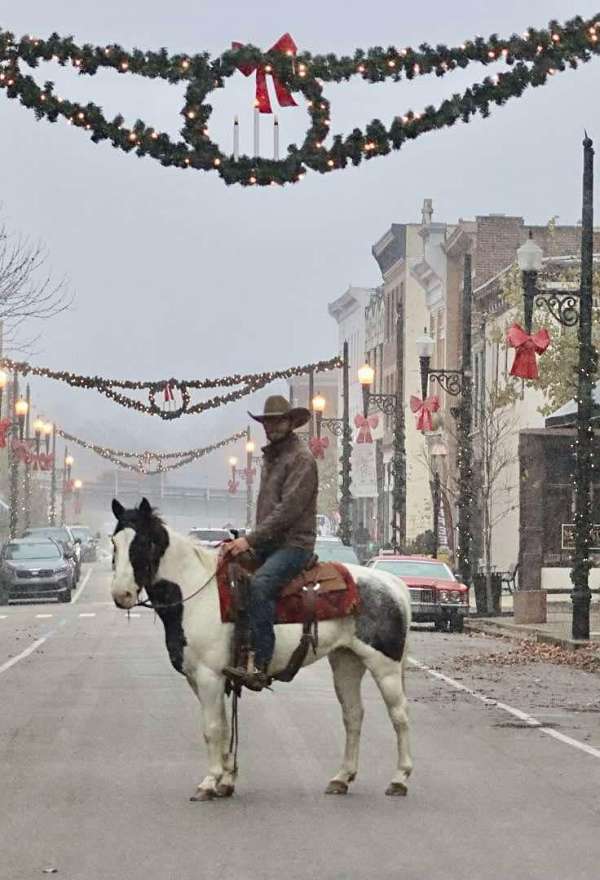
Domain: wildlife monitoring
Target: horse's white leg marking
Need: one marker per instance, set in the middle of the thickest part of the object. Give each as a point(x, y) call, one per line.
point(209, 686)
point(226, 784)
point(348, 671)
point(389, 677)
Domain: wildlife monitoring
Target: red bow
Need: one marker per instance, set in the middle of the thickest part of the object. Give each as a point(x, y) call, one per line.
point(168, 392)
point(525, 363)
point(364, 426)
point(232, 487)
point(424, 409)
point(4, 428)
point(21, 452)
point(318, 445)
point(45, 462)
point(286, 45)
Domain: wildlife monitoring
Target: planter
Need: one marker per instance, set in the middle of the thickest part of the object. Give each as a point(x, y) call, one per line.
point(530, 606)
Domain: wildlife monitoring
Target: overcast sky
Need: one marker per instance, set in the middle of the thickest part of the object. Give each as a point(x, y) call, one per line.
point(175, 274)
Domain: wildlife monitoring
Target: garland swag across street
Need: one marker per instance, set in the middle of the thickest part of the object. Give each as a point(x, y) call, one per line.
point(531, 57)
point(171, 407)
point(150, 462)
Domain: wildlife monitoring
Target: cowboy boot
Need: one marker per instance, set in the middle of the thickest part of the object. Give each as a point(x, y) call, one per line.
point(253, 677)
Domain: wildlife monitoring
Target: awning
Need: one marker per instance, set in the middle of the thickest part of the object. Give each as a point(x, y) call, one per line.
point(566, 416)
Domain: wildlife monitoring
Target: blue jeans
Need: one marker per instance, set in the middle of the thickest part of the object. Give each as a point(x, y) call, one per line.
point(274, 574)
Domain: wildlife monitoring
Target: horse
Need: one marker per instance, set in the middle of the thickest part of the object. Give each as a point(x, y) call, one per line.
point(179, 577)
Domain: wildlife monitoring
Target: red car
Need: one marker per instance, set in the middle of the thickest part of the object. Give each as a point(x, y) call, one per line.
point(435, 594)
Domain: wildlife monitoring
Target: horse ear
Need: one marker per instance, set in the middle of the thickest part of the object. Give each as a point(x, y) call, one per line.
point(145, 507)
point(117, 508)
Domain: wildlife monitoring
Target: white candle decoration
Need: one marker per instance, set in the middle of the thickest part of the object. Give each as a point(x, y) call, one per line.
point(256, 132)
point(236, 138)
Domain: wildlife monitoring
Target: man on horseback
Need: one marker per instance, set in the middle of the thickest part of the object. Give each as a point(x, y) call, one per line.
point(283, 539)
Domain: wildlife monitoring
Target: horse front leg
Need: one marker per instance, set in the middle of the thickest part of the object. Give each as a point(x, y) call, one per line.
point(210, 689)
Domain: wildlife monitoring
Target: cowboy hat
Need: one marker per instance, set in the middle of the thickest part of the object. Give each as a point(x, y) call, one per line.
point(277, 407)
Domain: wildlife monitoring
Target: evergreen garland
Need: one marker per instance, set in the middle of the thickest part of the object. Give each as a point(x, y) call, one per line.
point(532, 57)
point(249, 383)
point(147, 462)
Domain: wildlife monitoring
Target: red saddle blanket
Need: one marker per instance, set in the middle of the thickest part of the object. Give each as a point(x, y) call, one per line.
point(337, 595)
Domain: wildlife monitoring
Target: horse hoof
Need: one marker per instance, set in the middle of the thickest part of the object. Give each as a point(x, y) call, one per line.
point(397, 789)
point(204, 794)
point(336, 786)
point(225, 791)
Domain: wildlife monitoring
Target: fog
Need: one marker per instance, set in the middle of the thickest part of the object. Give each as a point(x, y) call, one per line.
point(175, 274)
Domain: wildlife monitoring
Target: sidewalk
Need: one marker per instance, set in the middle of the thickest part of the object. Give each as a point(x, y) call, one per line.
point(557, 630)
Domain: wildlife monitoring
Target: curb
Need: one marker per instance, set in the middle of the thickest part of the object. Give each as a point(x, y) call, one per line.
point(520, 632)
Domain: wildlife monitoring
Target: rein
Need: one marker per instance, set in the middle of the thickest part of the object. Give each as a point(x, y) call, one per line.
point(147, 603)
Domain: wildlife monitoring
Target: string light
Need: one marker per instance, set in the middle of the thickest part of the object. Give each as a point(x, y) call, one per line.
point(244, 384)
point(564, 45)
point(164, 461)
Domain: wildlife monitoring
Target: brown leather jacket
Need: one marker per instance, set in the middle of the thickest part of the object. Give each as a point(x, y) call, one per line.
point(286, 510)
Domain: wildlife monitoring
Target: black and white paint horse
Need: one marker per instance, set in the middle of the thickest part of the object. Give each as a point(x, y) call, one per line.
point(172, 568)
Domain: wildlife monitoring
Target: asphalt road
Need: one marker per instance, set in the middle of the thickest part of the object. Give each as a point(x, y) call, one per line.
point(100, 748)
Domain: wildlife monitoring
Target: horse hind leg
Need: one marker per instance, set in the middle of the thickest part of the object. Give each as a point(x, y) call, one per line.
point(348, 671)
point(389, 678)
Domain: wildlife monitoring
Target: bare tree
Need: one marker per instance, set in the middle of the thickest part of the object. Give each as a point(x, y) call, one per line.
point(498, 491)
point(27, 290)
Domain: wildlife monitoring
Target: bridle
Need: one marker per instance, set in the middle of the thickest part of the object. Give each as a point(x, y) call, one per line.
point(147, 603)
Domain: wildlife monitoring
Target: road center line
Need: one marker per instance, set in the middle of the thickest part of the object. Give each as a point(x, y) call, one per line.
point(82, 587)
point(88, 614)
point(510, 710)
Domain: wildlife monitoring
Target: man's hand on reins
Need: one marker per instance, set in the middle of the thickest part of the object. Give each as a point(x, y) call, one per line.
point(234, 548)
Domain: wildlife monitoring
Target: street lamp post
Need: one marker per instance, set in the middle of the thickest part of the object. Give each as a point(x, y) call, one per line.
point(334, 426)
point(68, 463)
point(77, 487)
point(233, 484)
point(3, 384)
point(248, 474)
point(50, 429)
point(455, 383)
point(345, 460)
point(392, 405)
point(562, 305)
point(27, 480)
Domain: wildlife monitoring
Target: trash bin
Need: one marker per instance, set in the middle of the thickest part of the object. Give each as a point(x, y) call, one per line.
point(480, 593)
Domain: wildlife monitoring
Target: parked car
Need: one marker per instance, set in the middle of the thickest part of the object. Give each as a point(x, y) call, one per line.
point(63, 536)
point(435, 594)
point(332, 550)
point(88, 543)
point(210, 537)
point(34, 568)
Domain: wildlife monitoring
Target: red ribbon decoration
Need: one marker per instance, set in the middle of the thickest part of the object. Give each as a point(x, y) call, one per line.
point(424, 409)
point(4, 428)
point(527, 348)
point(168, 392)
point(22, 452)
point(364, 426)
point(286, 45)
point(45, 462)
point(318, 445)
